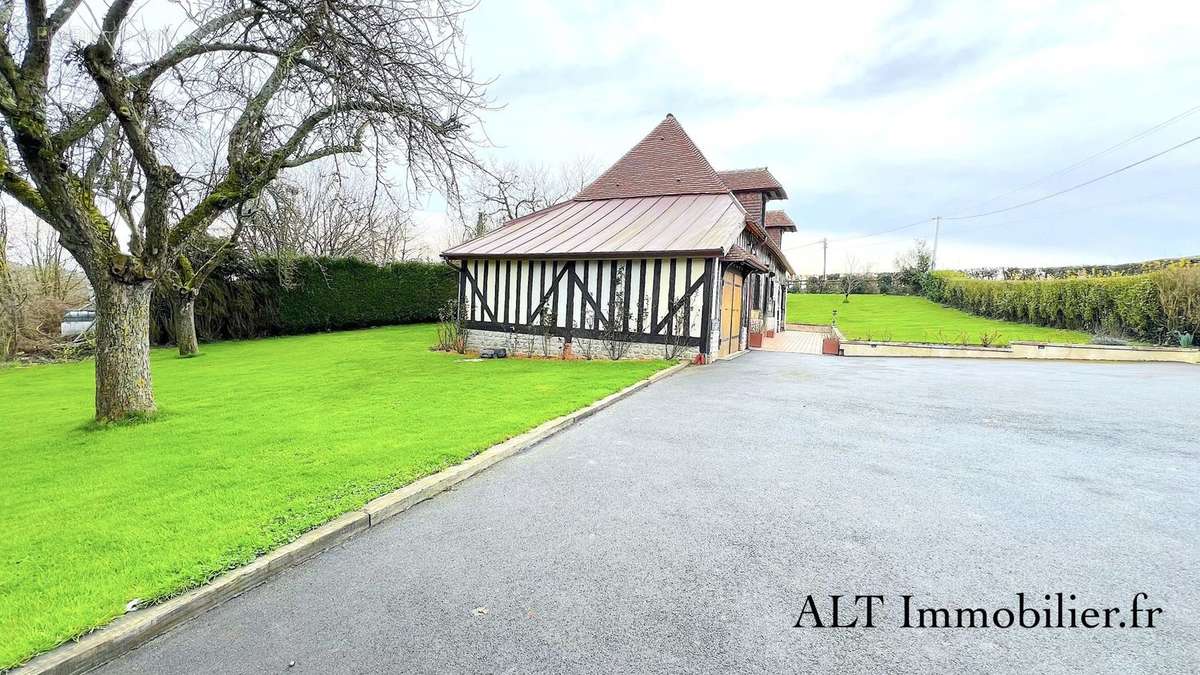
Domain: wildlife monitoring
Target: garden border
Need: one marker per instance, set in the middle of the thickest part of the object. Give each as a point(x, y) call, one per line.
point(1024, 350)
point(136, 628)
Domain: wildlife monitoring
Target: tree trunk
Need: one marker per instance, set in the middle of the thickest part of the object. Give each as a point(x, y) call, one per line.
point(123, 385)
point(185, 324)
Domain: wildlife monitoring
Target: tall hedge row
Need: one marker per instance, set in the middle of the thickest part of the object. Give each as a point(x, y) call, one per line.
point(248, 298)
point(1116, 305)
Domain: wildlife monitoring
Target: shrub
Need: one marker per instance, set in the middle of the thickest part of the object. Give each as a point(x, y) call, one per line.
point(258, 297)
point(452, 329)
point(1146, 306)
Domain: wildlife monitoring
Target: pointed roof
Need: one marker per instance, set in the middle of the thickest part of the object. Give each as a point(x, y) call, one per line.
point(665, 162)
point(778, 218)
point(758, 179)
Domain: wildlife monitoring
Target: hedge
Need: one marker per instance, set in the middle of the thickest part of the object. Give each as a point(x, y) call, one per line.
point(249, 298)
point(1071, 271)
point(1114, 305)
point(886, 283)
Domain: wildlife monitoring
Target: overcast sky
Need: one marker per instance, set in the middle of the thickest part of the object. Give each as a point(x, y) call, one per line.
point(878, 114)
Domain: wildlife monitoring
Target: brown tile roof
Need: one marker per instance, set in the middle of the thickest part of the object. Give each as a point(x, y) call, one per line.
point(662, 197)
point(780, 219)
point(740, 255)
point(757, 180)
point(666, 162)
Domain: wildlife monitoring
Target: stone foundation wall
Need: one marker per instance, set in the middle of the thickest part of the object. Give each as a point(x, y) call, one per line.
point(531, 345)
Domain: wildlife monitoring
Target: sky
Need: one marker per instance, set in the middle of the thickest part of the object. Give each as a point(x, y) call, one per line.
point(875, 115)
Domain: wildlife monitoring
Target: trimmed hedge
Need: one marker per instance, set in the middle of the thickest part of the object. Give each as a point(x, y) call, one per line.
point(1071, 271)
point(886, 283)
point(250, 298)
point(1115, 305)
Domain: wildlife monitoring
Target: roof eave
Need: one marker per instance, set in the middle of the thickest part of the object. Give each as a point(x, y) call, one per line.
point(606, 255)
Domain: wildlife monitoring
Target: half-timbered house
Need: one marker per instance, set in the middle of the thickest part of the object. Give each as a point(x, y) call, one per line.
point(661, 253)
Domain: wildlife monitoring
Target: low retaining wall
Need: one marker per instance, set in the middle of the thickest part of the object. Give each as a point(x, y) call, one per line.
point(1024, 350)
point(861, 348)
point(1035, 350)
point(811, 328)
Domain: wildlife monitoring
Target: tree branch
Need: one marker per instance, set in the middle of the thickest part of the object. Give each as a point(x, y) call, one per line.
point(188, 47)
point(61, 14)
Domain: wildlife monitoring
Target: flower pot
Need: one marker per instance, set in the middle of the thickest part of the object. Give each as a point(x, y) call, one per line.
point(831, 346)
point(756, 339)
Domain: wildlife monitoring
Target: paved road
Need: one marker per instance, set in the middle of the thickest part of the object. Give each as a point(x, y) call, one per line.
point(682, 529)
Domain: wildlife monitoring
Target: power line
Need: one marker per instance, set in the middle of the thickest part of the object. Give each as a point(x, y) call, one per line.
point(1077, 186)
point(1085, 160)
point(937, 219)
point(923, 221)
point(1039, 218)
point(1092, 207)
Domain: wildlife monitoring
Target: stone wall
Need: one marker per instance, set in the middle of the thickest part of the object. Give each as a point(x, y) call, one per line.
point(531, 345)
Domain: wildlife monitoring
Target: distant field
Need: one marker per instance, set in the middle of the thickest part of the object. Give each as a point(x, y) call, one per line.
point(902, 318)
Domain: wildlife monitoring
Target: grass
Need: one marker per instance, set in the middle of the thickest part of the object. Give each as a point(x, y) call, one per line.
point(904, 318)
point(255, 443)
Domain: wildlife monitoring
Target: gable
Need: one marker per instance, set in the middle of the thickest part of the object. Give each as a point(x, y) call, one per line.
point(665, 162)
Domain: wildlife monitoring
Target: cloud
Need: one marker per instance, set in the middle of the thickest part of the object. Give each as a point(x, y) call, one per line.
point(912, 67)
point(875, 114)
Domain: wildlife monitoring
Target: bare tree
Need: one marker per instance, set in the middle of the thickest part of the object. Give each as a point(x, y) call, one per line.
point(500, 192)
point(854, 276)
point(274, 84)
point(325, 214)
point(50, 264)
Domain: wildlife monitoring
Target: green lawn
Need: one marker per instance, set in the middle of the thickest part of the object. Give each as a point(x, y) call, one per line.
point(256, 442)
point(904, 318)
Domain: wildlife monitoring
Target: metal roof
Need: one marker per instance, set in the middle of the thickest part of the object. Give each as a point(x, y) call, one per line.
point(672, 224)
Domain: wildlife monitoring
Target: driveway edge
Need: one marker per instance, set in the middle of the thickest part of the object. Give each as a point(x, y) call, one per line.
point(135, 629)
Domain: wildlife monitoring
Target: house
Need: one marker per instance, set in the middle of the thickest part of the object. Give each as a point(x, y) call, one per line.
point(661, 253)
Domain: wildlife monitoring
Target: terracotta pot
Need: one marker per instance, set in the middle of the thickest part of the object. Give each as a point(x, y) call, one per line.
point(756, 339)
point(831, 346)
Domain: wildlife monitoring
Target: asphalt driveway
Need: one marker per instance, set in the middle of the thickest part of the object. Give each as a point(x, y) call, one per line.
point(683, 528)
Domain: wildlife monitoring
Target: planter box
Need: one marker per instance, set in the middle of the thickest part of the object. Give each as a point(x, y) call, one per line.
point(831, 346)
point(770, 333)
point(756, 339)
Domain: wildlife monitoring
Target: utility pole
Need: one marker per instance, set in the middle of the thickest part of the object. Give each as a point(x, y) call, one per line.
point(937, 229)
point(824, 260)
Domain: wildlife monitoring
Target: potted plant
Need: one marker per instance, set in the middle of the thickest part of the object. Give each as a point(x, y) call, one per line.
point(756, 332)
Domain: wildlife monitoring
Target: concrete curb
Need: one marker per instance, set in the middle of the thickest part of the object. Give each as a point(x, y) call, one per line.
point(1026, 351)
point(132, 630)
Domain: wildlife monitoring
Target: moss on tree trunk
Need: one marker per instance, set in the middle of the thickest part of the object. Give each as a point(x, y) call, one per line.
point(123, 385)
point(185, 325)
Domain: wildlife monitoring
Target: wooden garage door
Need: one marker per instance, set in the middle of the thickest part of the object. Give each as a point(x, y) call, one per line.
point(731, 313)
